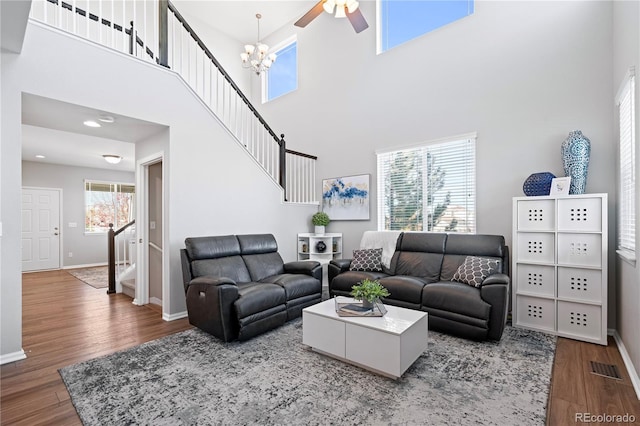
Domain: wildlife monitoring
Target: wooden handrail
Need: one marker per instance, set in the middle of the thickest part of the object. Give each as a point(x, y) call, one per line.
point(111, 247)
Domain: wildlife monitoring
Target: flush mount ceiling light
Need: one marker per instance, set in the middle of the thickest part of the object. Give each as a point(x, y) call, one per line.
point(40, 156)
point(92, 123)
point(106, 118)
point(112, 159)
point(257, 56)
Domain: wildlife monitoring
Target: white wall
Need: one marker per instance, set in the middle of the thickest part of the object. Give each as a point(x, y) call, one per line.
point(626, 53)
point(520, 74)
point(86, 249)
point(214, 186)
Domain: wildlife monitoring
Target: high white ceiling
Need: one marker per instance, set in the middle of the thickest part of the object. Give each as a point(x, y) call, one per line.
point(237, 18)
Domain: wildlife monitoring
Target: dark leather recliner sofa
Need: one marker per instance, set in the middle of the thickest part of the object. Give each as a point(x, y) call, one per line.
point(420, 277)
point(237, 286)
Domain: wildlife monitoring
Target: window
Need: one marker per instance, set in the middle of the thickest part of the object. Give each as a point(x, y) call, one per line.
point(107, 202)
point(429, 187)
point(403, 20)
point(626, 209)
point(282, 77)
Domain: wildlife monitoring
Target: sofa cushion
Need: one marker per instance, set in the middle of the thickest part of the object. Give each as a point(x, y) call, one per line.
point(475, 269)
point(212, 247)
point(263, 265)
point(405, 288)
point(232, 267)
point(258, 297)
point(367, 260)
point(456, 298)
point(257, 243)
point(459, 246)
point(296, 285)
point(419, 254)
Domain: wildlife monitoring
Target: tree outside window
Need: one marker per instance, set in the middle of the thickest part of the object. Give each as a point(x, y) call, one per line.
point(107, 203)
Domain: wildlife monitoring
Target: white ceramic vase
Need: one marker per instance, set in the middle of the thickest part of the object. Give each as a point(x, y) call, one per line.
point(319, 230)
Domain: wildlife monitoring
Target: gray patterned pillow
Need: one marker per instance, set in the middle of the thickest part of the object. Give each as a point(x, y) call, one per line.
point(367, 260)
point(474, 270)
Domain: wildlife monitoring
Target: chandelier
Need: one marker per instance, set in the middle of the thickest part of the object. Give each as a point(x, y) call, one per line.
point(257, 56)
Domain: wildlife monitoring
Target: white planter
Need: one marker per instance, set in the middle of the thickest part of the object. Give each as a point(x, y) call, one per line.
point(319, 230)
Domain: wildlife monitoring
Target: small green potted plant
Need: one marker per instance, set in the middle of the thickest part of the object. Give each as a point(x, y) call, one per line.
point(369, 291)
point(320, 220)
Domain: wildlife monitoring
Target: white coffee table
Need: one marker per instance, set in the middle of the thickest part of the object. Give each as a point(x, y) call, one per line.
point(387, 345)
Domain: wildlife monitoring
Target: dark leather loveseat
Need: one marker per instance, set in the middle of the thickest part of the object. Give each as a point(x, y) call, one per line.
point(237, 286)
point(420, 277)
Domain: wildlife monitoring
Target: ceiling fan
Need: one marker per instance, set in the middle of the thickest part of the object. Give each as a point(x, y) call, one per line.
point(343, 8)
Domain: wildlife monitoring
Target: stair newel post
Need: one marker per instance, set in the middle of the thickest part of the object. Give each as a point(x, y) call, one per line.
point(163, 33)
point(132, 40)
point(283, 165)
point(111, 238)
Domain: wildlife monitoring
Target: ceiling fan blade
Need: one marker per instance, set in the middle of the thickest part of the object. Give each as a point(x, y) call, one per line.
point(310, 15)
point(357, 20)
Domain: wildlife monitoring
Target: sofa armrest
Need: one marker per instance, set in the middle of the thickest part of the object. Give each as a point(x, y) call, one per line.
point(495, 291)
point(336, 267)
point(210, 306)
point(307, 267)
point(496, 279)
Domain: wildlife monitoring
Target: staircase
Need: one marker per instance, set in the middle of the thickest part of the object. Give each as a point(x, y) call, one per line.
point(154, 31)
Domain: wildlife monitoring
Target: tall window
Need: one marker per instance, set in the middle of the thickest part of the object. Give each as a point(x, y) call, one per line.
point(107, 202)
point(282, 77)
point(626, 209)
point(428, 188)
point(403, 20)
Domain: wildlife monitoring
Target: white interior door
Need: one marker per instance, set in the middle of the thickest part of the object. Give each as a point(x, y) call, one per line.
point(40, 229)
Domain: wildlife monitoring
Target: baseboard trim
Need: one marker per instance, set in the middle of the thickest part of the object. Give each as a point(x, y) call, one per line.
point(173, 317)
point(633, 374)
point(88, 265)
point(155, 301)
point(12, 357)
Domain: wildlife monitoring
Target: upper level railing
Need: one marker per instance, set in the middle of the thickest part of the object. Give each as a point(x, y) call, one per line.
point(158, 33)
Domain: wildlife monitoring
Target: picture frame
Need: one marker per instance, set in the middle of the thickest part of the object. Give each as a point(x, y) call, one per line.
point(347, 197)
point(560, 186)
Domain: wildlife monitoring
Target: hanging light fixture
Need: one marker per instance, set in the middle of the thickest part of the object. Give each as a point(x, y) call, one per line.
point(340, 6)
point(257, 56)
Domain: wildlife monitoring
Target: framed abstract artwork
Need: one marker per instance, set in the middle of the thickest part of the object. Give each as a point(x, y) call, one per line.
point(346, 198)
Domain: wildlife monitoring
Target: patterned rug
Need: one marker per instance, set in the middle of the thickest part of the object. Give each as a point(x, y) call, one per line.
point(191, 378)
point(97, 277)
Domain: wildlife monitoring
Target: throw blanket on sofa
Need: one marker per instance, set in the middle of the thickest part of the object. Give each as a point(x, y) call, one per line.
point(381, 239)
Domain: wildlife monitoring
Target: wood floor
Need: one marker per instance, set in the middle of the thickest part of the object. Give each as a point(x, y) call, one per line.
point(66, 321)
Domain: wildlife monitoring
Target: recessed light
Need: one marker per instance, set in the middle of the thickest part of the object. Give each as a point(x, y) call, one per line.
point(40, 156)
point(106, 119)
point(91, 123)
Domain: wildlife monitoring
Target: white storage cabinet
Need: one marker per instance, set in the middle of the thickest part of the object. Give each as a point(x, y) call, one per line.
point(560, 265)
point(309, 247)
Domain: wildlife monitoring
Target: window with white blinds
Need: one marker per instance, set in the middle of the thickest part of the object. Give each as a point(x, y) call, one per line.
point(431, 187)
point(626, 205)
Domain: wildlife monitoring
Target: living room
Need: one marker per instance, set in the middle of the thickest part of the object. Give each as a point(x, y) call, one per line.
point(521, 75)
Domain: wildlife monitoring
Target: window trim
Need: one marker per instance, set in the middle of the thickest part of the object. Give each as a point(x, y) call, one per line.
point(264, 77)
point(450, 139)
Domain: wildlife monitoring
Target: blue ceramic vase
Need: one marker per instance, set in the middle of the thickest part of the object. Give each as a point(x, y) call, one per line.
point(576, 150)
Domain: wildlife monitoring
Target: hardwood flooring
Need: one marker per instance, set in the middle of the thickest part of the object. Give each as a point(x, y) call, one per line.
point(66, 321)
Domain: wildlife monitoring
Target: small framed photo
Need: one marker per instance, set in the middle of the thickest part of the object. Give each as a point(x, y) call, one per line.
point(560, 186)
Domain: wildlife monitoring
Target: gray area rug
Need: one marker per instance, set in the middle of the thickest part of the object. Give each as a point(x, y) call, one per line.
point(97, 277)
point(191, 378)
